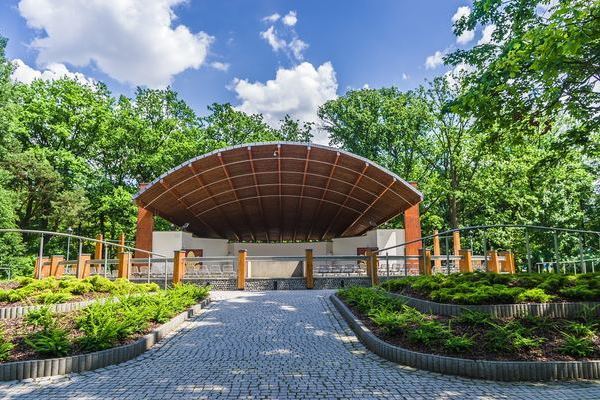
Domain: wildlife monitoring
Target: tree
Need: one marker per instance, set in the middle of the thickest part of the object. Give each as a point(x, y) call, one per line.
point(541, 65)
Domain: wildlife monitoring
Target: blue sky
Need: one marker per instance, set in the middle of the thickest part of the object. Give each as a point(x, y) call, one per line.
point(227, 50)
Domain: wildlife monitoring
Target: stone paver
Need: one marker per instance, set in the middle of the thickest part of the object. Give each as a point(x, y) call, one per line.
point(280, 345)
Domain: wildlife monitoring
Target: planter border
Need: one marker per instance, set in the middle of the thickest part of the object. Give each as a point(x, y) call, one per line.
point(19, 311)
point(31, 369)
point(552, 310)
point(480, 369)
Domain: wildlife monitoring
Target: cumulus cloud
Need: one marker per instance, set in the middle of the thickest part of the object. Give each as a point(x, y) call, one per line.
point(405, 76)
point(466, 36)
point(290, 18)
point(220, 66)
point(434, 60)
point(25, 74)
point(298, 91)
point(487, 34)
point(132, 41)
point(286, 39)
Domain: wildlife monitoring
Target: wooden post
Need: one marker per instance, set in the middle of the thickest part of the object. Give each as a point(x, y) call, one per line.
point(466, 260)
point(310, 281)
point(55, 269)
point(40, 270)
point(122, 241)
point(369, 263)
point(437, 263)
point(425, 255)
point(83, 266)
point(456, 247)
point(178, 266)
point(374, 269)
point(241, 270)
point(493, 262)
point(98, 248)
point(123, 266)
point(509, 262)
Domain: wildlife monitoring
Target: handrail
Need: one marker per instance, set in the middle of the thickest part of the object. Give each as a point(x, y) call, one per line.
point(476, 227)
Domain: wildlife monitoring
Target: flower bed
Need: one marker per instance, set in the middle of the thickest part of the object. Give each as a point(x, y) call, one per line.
point(486, 288)
point(43, 334)
point(28, 291)
point(474, 335)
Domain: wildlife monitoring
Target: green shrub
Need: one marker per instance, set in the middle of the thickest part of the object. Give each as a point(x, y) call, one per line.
point(5, 347)
point(534, 296)
point(520, 342)
point(576, 346)
point(473, 318)
point(40, 318)
point(24, 280)
point(4, 295)
point(501, 338)
point(429, 332)
point(579, 292)
point(51, 342)
point(580, 330)
point(458, 343)
point(101, 284)
point(77, 287)
point(53, 297)
point(101, 327)
point(397, 285)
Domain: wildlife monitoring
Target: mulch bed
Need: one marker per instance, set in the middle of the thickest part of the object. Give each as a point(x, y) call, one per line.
point(548, 351)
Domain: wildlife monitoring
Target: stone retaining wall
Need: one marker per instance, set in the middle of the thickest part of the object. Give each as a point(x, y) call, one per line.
point(481, 369)
point(19, 370)
point(552, 310)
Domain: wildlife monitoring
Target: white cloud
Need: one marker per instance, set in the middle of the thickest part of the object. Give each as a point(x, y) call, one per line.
point(220, 66)
point(276, 43)
point(434, 60)
point(466, 36)
point(455, 76)
point(405, 76)
point(130, 40)
point(25, 74)
point(290, 19)
point(486, 35)
point(298, 91)
point(272, 18)
point(297, 46)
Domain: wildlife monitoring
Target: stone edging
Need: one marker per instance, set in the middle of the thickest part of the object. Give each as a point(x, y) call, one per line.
point(19, 370)
point(552, 310)
point(19, 311)
point(480, 369)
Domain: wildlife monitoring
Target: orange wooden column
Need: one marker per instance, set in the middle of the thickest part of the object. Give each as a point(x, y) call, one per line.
point(374, 268)
point(369, 263)
point(425, 255)
point(456, 247)
point(144, 229)
point(412, 231)
point(466, 260)
point(493, 262)
point(122, 241)
point(310, 281)
point(509, 262)
point(437, 263)
point(241, 270)
point(98, 247)
point(55, 269)
point(41, 270)
point(178, 266)
point(83, 266)
point(124, 259)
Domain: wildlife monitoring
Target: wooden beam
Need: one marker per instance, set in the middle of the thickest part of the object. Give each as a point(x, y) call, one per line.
point(493, 262)
point(425, 255)
point(384, 191)
point(466, 260)
point(299, 207)
point(200, 182)
point(317, 212)
point(124, 261)
point(374, 268)
point(241, 269)
point(437, 263)
point(279, 192)
point(356, 182)
point(178, 266)
point(83, 266)
point(241, 207)
point(56, 270)
point(258, 195)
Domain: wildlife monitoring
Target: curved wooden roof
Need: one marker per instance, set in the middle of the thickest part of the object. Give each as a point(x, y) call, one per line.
point(278, 191)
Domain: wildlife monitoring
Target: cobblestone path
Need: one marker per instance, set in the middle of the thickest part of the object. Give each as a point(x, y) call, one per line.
point(274, 345)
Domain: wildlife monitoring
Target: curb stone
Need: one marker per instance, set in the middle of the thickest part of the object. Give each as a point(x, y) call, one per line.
point(480, 369)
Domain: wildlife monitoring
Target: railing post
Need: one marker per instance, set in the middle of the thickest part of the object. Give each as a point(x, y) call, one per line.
point(466, 260)
point(493, 263)
point(83, 265)
point(178, 266)
point(437, 263)
point(456, 246)
point(509, 261)
point(55, 269)
point(425, 258)
point(122, 241)
point(41, 271)
point(310, 282)
point(124, 259)
point(241, 270)
point(98, 247)
point(369, 263)
point(374, 269)
point(38, 273)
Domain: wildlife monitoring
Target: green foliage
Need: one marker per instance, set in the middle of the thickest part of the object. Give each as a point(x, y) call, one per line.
point(50, 342)
point(53, 297)
point(430, 332)
point(536, 295)
point(459, 344)
point(473, 318)
point(41, 318)
point(580, 330)
point(577, 346)
point(5, 347)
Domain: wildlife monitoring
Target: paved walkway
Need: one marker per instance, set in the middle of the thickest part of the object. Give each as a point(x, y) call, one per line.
point(280, 345)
